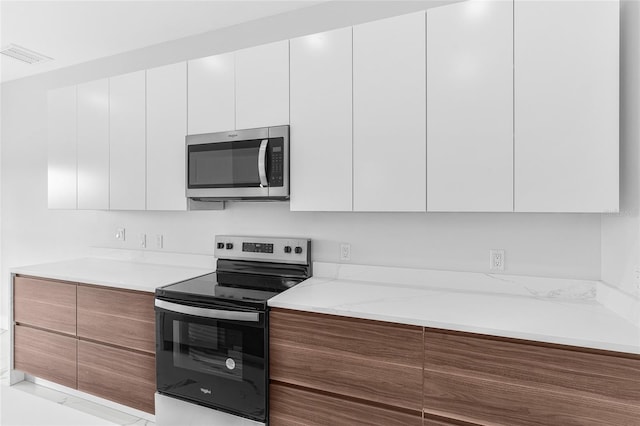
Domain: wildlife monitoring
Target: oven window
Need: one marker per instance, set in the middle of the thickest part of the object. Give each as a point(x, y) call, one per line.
point(208, 349)
point(224, 164)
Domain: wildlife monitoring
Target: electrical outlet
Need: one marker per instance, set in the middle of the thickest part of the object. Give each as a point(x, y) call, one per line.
point(159, 241)
point(496, 260)
point(143, 240)
point(636, 275)
point(120, 234)
point(345, 252)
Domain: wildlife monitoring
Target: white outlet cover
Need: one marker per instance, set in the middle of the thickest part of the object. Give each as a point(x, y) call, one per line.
point(496, 260)
point(345, 252)
point(120, 234)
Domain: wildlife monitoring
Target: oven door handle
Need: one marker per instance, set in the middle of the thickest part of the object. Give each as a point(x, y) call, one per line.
point(208, 313)
point(262, 167)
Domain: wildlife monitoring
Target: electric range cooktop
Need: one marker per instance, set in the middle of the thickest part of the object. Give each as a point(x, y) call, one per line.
point(249, 271)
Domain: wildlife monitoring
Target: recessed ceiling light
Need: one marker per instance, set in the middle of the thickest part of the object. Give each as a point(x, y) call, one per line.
point(24, 55)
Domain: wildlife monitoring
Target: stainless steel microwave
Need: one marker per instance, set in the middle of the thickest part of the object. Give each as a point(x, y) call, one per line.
point(248, 164)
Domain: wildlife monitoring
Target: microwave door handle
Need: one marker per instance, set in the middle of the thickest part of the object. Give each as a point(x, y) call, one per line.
point(208, 313)
point(262, 167)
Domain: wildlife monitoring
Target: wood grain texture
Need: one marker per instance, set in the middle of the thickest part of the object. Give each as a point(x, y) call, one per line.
point(563, 370)
point(490, 380)
point(119, 317)
point(368, 360)
point(485, 402)
point(294, 406)
point(47, 355)
point(45, 303)
point(116, 374)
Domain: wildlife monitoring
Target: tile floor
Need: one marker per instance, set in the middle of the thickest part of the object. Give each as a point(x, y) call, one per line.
point(28, 404)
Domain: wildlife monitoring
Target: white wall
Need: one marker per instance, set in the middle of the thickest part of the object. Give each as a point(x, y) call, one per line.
point(621, 233)
point(536, 244)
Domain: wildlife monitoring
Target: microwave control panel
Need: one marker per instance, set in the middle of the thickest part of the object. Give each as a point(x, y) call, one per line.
point(276, 156)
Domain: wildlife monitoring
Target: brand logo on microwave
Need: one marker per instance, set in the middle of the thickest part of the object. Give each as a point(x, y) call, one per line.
point(205, 391)
point(233, 135)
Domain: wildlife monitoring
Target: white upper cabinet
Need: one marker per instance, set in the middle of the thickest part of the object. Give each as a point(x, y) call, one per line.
point(389, 115)
point(93, 145)
point(62, 160)
point(321, 127)
point(127, 136)
point(166, 132)
point(212, 94)
point(470, 107)
point(262, 86)
point(566, 106)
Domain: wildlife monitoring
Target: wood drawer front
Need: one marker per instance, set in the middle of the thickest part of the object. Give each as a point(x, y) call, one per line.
point(489, 402)
point(487, 380)
point(119, 317)
point(369, 360)
point(118, 375)
point(45, 303)
point(295, 406)
point(564, 370)
point(47, 355)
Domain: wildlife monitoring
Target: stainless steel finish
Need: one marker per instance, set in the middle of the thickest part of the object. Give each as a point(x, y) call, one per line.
point(208, 313)
point(262, 156)
point(206, 195)
point(278, 255)
point(238, 135)
point(281, 191)
point(193, 204)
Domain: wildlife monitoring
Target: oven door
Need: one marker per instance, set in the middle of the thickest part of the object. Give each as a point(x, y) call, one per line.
point(213, 356)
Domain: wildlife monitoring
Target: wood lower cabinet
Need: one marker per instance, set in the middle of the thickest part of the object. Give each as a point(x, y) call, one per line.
point(346, 366)
point(45, 304)
point(118, 317)
point(117, 374)
point(40, 353)
point(112, 355)
point(296, 406)
point(486, 380)
point(329, 370)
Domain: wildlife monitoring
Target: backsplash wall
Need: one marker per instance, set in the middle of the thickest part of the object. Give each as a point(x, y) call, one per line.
point(563, 245)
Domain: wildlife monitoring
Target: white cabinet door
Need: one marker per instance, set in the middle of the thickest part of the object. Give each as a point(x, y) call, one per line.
point(93, 145)
point(127, 137)
point(470, 107)
point(566, 106)
point(211, 94)
point(62, 140)
point(321, 127)
point(262, 86)
point(166, 132)
point(389, 115)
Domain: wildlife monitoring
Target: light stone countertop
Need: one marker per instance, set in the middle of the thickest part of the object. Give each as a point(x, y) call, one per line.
point(124, 274)
point(552, 310)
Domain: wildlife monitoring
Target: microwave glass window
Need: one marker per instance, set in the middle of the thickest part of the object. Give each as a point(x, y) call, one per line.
point(226, 164)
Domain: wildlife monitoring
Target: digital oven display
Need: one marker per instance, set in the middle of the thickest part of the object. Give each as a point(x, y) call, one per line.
point(257, 247)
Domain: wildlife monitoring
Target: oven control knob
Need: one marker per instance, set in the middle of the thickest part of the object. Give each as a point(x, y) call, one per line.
point(229, 246)
point(220, 245)
point(287, 249)
point(298, 250)
point(230, 363)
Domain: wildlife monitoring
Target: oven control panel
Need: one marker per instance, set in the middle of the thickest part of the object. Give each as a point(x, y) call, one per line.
point(268, 249)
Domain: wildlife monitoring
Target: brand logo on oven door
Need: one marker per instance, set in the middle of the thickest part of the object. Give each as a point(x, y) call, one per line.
point(205, 391)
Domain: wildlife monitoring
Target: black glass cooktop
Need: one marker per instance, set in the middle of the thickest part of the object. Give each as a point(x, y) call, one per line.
point(207, 290)
point(236, 284)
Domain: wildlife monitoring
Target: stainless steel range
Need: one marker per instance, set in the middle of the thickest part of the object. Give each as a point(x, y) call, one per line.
point(212, 331)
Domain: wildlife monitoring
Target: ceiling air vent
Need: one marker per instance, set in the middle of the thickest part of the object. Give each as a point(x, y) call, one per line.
point(24, 55)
